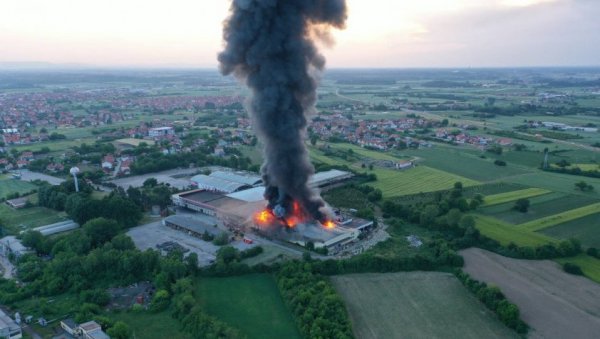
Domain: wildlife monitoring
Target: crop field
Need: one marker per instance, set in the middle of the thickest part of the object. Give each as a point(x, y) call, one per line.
point(512, 196)
point(415, 180)
point(506, 233)
point(8, 186)
point(554, 303)
point(556, 182)
point(465, 163)
point(12, 219)
point(585, 229)
point(589, 265)
point(250, 303)
point(151, 325)
point(541, 206)
point(560, 218)
point(415, 305)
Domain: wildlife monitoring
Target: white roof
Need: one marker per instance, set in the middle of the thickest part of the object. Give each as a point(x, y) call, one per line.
point(216, 184)
point(241, 177)
point(7, 322)
point(321, 177)
point(250, 195)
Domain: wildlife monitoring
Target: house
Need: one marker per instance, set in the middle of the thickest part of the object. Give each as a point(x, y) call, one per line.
point(92, 330)
point(69, 325)
point(158, 132)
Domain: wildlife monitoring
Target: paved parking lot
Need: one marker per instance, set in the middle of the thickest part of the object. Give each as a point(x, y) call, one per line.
point(150, 235)
point(176, 178)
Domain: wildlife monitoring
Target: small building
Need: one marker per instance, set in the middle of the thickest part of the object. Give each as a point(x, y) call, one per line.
point(17, 203)
point(92, 330)
point(9, 329)
point(69, 325)
point(160, 132)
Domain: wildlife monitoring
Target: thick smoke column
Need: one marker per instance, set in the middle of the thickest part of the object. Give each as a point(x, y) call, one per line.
point(269, 45)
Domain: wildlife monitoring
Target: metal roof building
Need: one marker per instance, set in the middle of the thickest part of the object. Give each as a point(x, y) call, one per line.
point(58, 227)
point(250, 195)
point(329, 177)
point(247, 178)
point(211, 183)
point(8, 327)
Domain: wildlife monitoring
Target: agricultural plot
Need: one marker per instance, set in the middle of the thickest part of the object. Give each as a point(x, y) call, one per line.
point(541, 206)
point(585, 229)
point(512, 196)
point(151, 325)
point(506, 233)
point(415, 180)
point(560, 218)
point(14, 221)
point(415, 305)
point(250, 303)
point(589, 265)
point(554, 303)
point(8, 186)
point(555, 182)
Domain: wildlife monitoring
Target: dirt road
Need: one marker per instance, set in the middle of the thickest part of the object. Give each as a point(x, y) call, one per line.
point(555, 304)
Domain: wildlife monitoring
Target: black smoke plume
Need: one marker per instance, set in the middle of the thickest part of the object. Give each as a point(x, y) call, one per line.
point(270, 46)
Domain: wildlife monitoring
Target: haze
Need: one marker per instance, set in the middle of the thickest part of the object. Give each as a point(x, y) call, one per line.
point(380, 33)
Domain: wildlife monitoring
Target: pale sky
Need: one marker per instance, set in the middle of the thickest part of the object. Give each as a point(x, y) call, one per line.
point(380, 33)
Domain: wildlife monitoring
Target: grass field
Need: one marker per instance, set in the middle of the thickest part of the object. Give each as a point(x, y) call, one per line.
point(585, 229)
point(8, 186)
point(506, 233)
point(149, 325)
point(250, 303)
point(27, 217)
point(541, 206)
point(415, 305)
point(556, 182)
point(415, 180)
point(560, 218)
point(514, 195)
point(589, 265)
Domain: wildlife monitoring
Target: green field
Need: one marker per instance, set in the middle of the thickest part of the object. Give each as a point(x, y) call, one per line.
point(149, 325)
point(506, 233)
point(589, 265)
point(14, 221)
point(415, 180)
point(560, 218)
point(541, 206)
point(8, 186)
point(250, 303)
point(514, 195)
point(556, 182)
point(415, 305)
point(585, 229)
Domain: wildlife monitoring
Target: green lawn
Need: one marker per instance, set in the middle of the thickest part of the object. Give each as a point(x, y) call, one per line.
point(556, 182)
point(8, 186)
point(150, 325)
point(514, 195)
point(506, 233)
point(589, 265)
point(12, 219)
point(415, 180)
point(250, 303)
point(560, 218)
point(585, 229)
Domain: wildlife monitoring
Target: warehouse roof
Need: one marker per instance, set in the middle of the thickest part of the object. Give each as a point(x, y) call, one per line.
point(217, 184)
point(6, 322)
point(332, 175)
point(193, 224)
point(247, 178)
point(249, 195)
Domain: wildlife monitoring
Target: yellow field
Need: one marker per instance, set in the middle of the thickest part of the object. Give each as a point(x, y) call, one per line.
point(506, 233)
point(502, 198)
point(560, 218)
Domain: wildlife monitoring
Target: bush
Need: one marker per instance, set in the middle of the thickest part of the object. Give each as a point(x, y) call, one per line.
point(160, 301)
point(572, 268)
point(500, 163)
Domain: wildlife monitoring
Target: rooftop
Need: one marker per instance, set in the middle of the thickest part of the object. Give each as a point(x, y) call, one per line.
point(217, 184)
point(193, 224)
point(247, 178)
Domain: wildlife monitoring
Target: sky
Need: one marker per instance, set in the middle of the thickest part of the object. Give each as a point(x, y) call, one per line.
point(379, 33)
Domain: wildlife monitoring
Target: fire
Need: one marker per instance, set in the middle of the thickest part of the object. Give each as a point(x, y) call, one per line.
point(264, 217)
point(329, 224)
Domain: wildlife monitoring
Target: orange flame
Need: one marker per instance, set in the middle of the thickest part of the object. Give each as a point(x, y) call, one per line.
point(264, 217)
point(329, 224)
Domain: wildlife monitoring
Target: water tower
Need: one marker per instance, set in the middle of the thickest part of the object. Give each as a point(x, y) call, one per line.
point(74, 171)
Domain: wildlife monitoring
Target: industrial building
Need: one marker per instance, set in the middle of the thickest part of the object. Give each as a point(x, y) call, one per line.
point(59, 227)
point(326, 178)
point(9, 329)
point(192, 226)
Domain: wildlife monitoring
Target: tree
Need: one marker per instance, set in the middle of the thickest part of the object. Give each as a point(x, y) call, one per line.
point(120, 331)
point(101, 230)
point(428, 215)
point(160, 301)
point(522, 205)
point(227, 254)
point(453, 217)
point(467, 221)
point(313, 139)
point(583, 186)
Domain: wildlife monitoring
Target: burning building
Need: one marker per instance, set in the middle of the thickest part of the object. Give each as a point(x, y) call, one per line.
point(270, 46)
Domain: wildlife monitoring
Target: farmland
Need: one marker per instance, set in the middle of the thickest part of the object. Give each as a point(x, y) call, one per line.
point(151, 325)
point(250, 303)
point(563, 217)
point(15, 221)
point(554, 303)
point(8, 186)
point(506, 233)
point(589, 265)
point(416, 180)
point(415, 305)
point(585, 229)
point(514, 195)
